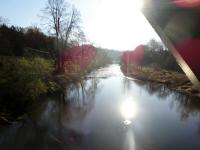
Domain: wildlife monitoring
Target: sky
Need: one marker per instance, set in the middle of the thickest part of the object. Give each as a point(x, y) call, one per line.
point(113, 24)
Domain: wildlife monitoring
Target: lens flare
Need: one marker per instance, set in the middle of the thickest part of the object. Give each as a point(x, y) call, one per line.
point(187, 3)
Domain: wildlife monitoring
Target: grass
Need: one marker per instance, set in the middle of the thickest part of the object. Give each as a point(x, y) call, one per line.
point(174, 80)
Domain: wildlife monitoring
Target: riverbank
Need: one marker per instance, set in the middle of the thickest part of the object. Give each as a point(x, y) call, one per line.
point(23, 81)
point(174, 80)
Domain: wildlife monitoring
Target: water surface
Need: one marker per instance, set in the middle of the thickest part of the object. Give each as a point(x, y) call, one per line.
point(108, 111)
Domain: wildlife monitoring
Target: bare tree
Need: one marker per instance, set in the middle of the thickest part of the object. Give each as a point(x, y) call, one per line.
point(154, 45)
point(54, 15)
point(3, 20)
point(77, 38)
point(73, 24)
point(80, 36)
point(63, 20)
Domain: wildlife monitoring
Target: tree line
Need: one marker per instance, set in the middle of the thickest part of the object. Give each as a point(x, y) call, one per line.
point(24, 77)
point(62, 24)
point(157, 55)
point(14, 40)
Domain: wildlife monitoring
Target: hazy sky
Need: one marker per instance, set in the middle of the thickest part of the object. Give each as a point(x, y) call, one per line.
point(115, 24)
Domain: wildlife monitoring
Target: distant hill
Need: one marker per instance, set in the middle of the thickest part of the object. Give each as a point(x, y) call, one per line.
point(114, 55)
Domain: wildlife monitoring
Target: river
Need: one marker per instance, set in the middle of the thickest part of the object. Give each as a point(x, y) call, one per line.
point(108, 111)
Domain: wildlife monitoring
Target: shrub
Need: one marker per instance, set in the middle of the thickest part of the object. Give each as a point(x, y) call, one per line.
point(24, 78)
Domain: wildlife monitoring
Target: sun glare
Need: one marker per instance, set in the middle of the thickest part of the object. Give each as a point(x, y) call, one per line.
point(128, 110)
point(138, 4)
point(119, 24)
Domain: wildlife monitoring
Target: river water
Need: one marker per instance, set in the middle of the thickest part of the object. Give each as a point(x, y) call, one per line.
point(107, 111)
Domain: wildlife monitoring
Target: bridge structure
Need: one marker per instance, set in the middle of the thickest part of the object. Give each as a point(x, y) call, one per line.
point(177, 22)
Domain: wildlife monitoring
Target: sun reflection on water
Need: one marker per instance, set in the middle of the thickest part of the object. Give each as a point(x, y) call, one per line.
point(128, 111)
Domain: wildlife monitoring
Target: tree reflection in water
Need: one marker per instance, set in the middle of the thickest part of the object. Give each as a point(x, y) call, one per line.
point(184, 105)
point(56, 124)
point(69, 121)
point(126, 85)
